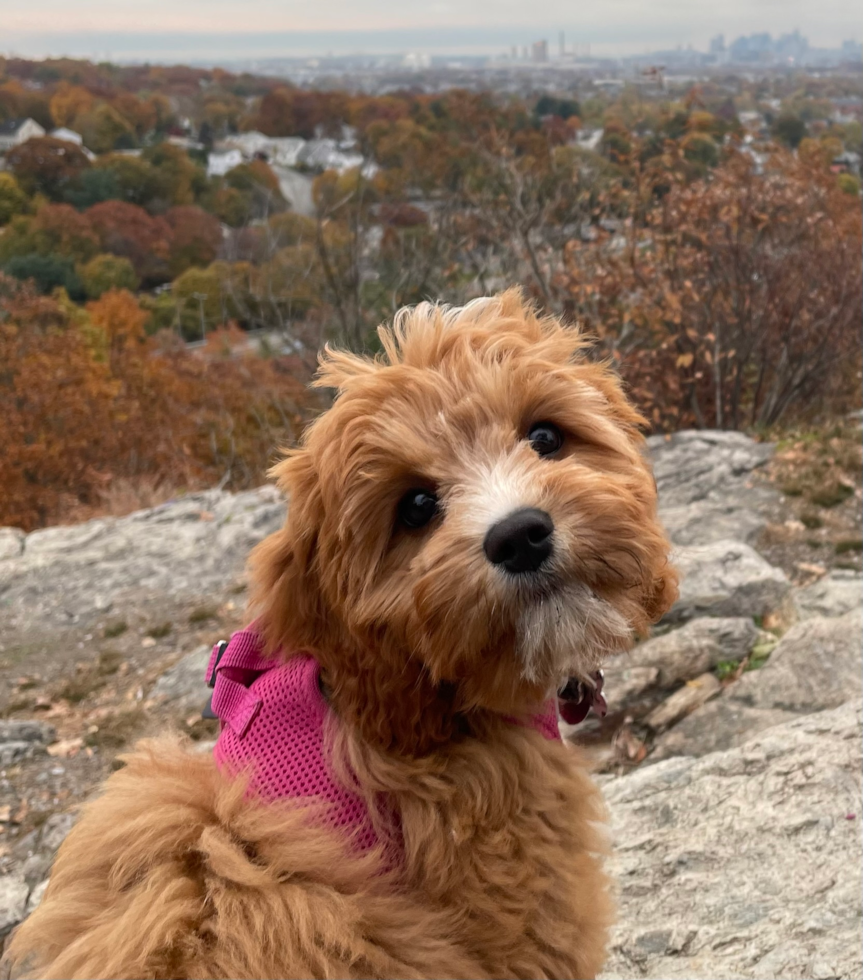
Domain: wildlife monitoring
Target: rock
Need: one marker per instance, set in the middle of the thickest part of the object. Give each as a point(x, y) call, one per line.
point(192, 546)
point(11, 542)
point(626, 685)
point(54, 832)
point(706, 492)
point(719, 725)
point(12, 752)
point(815, 666)
point(696, 647)
point(727, 578)
point(837, 593)
point(14, 892)
point(184, 686)
point(23, 739)
point(27, 731)
point(683, 702)
point(35, 896)
point(744, 863)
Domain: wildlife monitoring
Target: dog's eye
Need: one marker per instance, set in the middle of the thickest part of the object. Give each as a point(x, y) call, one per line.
point(417, 508)
point(546, 438)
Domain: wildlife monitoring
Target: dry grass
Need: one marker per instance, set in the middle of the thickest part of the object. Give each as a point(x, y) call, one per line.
point(119, 497)
point(117, 730)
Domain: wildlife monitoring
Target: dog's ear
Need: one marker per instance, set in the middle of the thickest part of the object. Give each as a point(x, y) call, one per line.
point(286, 598)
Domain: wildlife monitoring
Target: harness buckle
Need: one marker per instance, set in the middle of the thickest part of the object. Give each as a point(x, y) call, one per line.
point(219, 650)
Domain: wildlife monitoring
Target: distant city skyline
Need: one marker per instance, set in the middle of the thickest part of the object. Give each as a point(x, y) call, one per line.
point(170, 30)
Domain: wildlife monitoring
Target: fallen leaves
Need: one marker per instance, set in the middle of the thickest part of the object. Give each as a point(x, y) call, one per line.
point(65, 748)
point(17, 816)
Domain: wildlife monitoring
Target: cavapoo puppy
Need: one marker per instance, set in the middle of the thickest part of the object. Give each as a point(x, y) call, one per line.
point(471, 529)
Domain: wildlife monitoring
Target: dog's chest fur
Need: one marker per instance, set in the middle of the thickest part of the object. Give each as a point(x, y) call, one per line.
point(507, 829)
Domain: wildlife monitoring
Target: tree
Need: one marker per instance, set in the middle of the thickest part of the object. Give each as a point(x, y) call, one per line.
point(57, 229)
point(13, 200)
point(195, 238)
point(259, 188)
point(46, 272)
point(92, 187)
point(130, 232)
point(104, 129)
point(140, 114)
point(789, 128)
point(105, 272)
point(68, 102)
point(136, 180)
point(739, 303)
point(178, 179)
point(46, 165)
point(201, 302)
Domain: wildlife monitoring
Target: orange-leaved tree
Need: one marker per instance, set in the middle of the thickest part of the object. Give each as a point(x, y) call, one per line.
point(87, 397)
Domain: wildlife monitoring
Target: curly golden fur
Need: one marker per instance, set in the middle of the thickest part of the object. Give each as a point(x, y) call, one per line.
point(428, 652)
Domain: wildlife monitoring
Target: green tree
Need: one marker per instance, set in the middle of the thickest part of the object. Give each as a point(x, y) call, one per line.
point(12, 199)
point(201, 302)
point(104, 129)
point(106, 272)
point(178, 179)
point(137, 180)
point(789, 128)
point(47, 273)
point(91, 187)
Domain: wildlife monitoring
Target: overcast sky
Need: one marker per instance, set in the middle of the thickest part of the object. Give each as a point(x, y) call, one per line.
point(175, 29)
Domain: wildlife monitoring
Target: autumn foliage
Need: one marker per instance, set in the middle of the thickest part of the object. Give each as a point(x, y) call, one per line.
point(722, 277)
point(87, 398)
point(737, 303)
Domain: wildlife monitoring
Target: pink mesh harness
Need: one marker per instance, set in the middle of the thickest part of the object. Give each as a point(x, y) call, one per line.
point(272, 715)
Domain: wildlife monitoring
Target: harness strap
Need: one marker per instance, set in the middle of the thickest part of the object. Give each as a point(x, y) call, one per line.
point(232, 668)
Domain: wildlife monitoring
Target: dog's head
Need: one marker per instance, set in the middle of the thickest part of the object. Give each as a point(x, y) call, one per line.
point(471, 523)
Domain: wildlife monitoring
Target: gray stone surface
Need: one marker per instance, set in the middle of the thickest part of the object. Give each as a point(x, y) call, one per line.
point(27, 730)
point(691, 696)
point(190, 546)
point(23, 739)
point(11, 542)
point(696, 647)
point(816, 665)
point(835, 594)
point(718, 725)
point(625, 685)
point(727, 578)
point(14, 892)
point(706, 490)
point(184, 686)
point(743, 864)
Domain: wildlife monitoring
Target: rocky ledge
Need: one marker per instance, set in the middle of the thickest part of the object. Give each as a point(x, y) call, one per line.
point(731, 751)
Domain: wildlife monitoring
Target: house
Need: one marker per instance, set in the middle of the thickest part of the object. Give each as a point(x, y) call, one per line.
point(185, 143)
point(14, 132)
point(846, 163)
point(68, 135)
point(218, 164)
point(281, 150)
point(589, 139)
point(753, 122)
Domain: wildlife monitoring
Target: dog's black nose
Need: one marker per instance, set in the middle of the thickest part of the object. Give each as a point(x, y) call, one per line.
point(520, 542)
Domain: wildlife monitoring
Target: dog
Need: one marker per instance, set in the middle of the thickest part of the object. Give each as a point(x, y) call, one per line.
point(472, 526)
